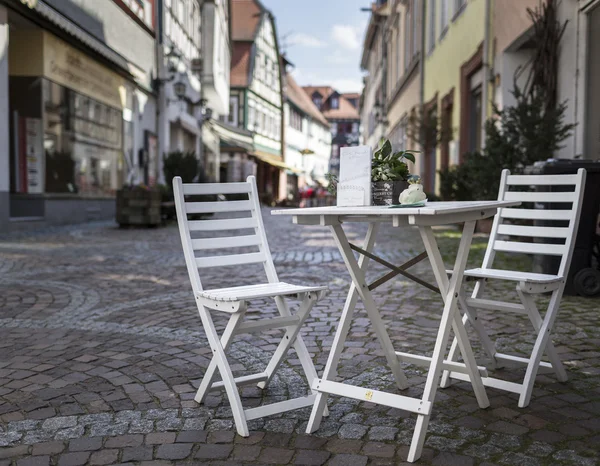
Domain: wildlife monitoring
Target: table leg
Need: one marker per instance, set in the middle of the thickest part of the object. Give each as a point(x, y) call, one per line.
point(450, 291)
point(340, 336)
point(358, 277)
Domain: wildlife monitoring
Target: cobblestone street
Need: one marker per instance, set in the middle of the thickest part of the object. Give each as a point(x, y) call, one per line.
point(101, 352)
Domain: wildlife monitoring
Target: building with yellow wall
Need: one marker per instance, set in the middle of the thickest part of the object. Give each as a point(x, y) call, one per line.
point(455, 82)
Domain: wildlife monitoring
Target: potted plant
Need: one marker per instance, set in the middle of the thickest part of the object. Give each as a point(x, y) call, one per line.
point(389, 173)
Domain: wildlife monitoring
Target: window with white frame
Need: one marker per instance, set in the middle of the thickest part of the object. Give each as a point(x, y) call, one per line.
point(251, 118)
point(431, 29)
point(233, 111)
point(295, 119)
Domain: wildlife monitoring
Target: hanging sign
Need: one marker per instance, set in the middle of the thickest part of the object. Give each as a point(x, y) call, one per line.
point(354, 183)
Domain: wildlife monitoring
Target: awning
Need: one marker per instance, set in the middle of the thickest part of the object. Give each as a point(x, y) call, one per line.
point(231, 136)
point(275, 161)
point(80, 34)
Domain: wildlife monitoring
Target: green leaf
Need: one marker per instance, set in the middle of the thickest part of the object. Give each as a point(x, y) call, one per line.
point(409, 156)
point(386, 148)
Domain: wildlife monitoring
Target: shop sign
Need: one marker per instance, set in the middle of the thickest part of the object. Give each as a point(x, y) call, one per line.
point(71, 68)
point(30, 3)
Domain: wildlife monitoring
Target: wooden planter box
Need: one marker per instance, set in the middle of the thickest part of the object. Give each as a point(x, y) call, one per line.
point(138, 207)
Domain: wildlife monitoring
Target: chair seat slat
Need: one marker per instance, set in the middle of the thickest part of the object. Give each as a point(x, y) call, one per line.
point(568, 196)
point(226, 242)
point(536, 214)
point(533, 231)
point(263, 290)
point(541, 180)
point(219, 225)
point(513, 275)
point(231, 259)
point(192, 189)
point(530, 248)
point(216, 207)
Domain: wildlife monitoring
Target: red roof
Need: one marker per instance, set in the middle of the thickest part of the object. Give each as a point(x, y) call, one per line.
point(345, 110)
point(240, 64)
point(301, 100)
point(245, 17)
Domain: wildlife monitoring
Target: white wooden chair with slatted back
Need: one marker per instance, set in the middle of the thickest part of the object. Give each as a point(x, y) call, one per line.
point(505, 236)
point(233, 300)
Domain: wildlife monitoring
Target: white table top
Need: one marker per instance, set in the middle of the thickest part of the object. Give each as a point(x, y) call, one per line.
point(431, 208)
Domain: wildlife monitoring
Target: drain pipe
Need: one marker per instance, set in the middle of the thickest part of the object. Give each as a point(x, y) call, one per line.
point(486, 71)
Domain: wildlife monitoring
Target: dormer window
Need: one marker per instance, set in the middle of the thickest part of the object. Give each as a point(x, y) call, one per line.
point(335, 102)
point(318, 101)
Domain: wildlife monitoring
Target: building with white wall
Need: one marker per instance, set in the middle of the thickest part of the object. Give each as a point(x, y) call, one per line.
point(307, 140)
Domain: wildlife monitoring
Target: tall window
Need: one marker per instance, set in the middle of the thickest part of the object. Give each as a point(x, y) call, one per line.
point(458, 6)
point(295, 119)
point(398, 48)
point(443, 18)
point(335, 102)
point(233, 111)
point(317, 100)
point(431, 30)
point(415, 28)
point(407, 57)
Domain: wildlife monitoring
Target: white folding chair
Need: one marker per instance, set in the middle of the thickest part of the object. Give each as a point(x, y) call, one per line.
point(528, 284)
point(233, 300)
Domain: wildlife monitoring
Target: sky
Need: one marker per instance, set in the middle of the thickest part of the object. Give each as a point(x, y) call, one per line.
point(323, 39)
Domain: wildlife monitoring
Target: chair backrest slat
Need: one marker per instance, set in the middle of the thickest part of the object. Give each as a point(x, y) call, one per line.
point(217, 207)
point(530, 248)
point(233, 259)
point(222, 225)
point(256, 250)
point(225, 242)
point(540, 196)
point(535, 214)
point(533, 232)
point(541, 180)
point(556, 229)
point(202, 189)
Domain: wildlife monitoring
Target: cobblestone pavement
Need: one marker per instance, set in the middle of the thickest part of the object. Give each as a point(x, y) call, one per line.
point(101, 350)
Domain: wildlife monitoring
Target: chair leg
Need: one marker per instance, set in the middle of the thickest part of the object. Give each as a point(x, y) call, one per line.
point(470, 316)
point(536, 320)
point(226, 340)
point(226, 374)
point(541, 344)
point(290, 337)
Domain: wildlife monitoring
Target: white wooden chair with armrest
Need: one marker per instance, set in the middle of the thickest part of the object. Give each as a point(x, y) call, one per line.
point(233, 300)
point(528, 284)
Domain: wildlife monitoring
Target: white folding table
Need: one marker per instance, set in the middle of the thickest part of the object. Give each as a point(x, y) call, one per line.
point(424, 218)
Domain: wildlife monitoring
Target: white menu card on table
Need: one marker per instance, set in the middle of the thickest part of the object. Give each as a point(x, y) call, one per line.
point(354, 183)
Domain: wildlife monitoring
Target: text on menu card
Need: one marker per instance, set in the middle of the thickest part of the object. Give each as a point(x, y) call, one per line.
point(354, 184)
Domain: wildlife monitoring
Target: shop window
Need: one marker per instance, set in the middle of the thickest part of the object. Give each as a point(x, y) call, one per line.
point(83, 141)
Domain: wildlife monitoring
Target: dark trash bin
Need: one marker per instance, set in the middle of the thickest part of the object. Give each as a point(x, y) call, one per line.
point(584, 273)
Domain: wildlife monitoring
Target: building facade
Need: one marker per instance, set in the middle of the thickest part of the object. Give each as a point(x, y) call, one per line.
point(374, 62)
point(456, 81)
point(404, 83)
point(256, 102)
point(76, 106)
point(341, 111)
point(307, 140)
